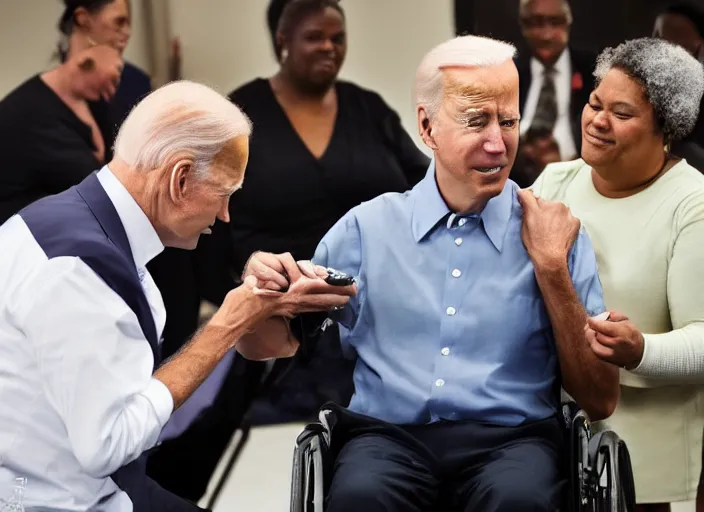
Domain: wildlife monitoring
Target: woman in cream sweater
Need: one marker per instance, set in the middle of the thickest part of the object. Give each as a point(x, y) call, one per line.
point(644, 211)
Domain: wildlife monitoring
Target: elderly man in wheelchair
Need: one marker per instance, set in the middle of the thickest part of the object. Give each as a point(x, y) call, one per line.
point(468, 316)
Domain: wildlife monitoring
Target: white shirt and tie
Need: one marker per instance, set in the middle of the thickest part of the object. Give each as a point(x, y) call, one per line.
point(562, 74)
point(76, 387)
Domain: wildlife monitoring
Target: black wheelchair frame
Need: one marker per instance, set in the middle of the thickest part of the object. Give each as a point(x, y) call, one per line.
point(599, 469)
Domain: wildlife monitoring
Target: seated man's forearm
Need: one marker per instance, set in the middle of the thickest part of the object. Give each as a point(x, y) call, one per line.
point(593, 383)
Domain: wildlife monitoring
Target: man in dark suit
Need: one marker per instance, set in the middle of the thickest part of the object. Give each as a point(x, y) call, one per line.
point(555, 79)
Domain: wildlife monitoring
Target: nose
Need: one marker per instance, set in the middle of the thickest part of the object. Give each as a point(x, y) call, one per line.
point(601, 121)
point(328, 45)
point(224, 213)
point(494, 143)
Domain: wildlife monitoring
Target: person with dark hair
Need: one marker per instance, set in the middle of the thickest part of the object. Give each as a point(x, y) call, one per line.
point(321, 146)
point(86, 23)
point(683, 24)
point(644, 210)
point(59, 126)
point(337, 145)
point(54, 131)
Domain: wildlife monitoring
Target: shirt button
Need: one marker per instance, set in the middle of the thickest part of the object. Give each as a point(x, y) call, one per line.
point(462, 222)
point(456, 273)
point(439, 383)
point(458, 241)
point(451, 311)
point(445, 351)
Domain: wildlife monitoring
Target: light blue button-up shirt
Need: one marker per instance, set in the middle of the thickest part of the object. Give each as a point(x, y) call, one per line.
point(449, 323)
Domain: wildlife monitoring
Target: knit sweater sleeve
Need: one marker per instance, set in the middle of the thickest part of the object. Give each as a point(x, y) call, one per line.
point(677, 356)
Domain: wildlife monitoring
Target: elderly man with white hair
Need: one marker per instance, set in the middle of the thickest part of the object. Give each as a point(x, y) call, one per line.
point(84, 394)
point(471, 313)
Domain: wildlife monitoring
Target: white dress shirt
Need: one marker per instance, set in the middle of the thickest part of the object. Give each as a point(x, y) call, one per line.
point(563, 93)
point(76, 387)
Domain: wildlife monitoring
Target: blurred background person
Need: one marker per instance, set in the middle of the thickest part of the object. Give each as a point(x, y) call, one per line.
point(644, 211)
point(55, 129)
point(555, 78)
point(683, 24)
point(537, 148)
point(86, 23)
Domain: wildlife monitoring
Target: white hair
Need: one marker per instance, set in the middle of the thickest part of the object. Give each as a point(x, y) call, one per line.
point(463, 51)
point(180, 118)
point(565, 7)
point(672, 79)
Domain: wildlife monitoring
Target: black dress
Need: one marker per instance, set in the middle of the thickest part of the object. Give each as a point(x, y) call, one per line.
point(46, 147)
point(289, 198)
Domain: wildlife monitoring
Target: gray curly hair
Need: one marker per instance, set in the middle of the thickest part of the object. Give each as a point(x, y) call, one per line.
point(672, 79)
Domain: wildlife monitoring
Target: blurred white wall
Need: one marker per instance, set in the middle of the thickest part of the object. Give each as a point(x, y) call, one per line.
point(29, 35)
point(226, 43)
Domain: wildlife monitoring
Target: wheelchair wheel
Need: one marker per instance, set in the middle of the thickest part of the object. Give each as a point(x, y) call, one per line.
point(579, 470)
point(614, 491)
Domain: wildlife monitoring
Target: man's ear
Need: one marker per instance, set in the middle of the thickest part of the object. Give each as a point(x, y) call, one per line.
point(425, 126)
point(181, 179)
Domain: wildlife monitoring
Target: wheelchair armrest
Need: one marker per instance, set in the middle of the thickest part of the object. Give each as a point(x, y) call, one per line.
point(311, 430)
point(307, 486)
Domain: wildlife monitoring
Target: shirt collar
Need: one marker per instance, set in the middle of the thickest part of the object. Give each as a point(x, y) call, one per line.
point(429, 208)
point(561, 67)
point(144, 241)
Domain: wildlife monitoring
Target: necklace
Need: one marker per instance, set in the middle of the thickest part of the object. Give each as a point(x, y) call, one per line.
point(654, 176)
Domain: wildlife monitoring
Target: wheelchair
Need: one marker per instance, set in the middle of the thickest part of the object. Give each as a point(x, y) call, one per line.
point(599, 476)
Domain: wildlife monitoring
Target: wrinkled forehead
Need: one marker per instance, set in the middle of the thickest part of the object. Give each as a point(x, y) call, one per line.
point(476, 87)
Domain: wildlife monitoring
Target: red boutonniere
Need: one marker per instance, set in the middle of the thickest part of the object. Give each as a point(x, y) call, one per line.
point(577, 82)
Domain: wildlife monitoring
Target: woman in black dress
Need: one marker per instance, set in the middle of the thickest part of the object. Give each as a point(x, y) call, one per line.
point(320, 147)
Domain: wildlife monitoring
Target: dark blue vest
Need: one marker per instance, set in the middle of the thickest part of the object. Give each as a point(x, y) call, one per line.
point(83, 222)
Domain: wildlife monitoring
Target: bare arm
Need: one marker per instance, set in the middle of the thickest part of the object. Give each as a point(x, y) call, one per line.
point(591, 382)
point(550, 234)
point(185, 371)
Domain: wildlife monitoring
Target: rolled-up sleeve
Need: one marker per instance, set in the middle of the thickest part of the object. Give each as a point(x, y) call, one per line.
point(96, 365)
point(585, 275)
